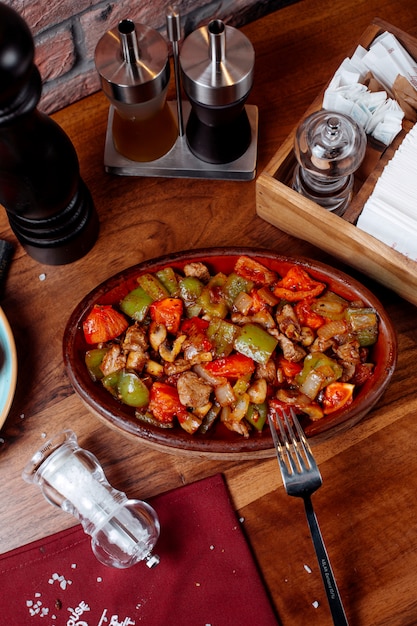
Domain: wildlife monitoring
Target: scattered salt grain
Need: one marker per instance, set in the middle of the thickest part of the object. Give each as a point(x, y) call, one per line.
point(211, 547)
point(99, 579)
point(60, 579)
point(307, 569)
point(35, 608)
point(73, 566)
point(241, 520)
point(42, 277)
point(315, 604)
point(198, 584)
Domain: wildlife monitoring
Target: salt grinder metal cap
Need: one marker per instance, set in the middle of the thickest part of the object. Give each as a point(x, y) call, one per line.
point(217, 63)
point(133, 63)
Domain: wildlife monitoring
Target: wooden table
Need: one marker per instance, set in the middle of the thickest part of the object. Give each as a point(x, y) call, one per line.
point(367, 506)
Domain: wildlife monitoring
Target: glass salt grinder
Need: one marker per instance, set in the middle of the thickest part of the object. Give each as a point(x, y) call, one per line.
point(123, 532)
point(133, 63)
point(217, 64)
point(329, 148)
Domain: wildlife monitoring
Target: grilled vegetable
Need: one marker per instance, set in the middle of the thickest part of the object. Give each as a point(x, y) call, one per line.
point(203, 350)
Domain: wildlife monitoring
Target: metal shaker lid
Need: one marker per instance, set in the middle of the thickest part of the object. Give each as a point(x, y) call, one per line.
point(133, 63)
point(217, 64)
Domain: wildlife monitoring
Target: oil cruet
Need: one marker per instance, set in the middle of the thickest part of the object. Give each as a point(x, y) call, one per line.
point(217, 66)
point(133, 63)
point(329, 148)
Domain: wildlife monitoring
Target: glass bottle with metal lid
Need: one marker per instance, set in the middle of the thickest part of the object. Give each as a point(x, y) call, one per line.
point(217, 66)
point(329, 148)
point(133, 64)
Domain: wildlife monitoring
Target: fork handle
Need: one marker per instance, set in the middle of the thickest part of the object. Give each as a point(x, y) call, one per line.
point(332, 592)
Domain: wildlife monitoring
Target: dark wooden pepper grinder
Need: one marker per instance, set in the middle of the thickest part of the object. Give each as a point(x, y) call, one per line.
point(48, 205)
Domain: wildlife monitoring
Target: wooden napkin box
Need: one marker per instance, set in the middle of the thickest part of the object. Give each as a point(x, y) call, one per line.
point(289, 211)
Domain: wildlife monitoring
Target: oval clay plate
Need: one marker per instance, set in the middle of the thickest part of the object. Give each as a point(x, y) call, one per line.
point(220, 443)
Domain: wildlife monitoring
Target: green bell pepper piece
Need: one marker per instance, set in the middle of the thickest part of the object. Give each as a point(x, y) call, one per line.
point(318, 371)
point(153, 286)
point(255, 342)
point(214, 306)
point(234, 285)
point(132, 390)
point(222, 335)
point(190, 288)
point(136, 304)
point(364, 324)
point(256, 415)
point(330, 305)
point(93, 360)
point(168, 278)
point(209, 419)
point(111, 381)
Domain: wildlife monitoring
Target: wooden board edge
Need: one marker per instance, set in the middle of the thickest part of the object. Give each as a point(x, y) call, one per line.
point(292, 213)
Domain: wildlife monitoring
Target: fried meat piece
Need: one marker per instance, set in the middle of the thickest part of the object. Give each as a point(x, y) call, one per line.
point(198, 270)
point(193, 391)
point(113, 360)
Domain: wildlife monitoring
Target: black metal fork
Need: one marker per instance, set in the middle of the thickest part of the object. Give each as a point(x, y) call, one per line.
point(301, 477)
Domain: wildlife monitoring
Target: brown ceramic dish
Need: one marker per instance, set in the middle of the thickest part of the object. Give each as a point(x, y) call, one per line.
point(221, 443)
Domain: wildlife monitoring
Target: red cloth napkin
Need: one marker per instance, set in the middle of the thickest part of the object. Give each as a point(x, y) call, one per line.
point(206, 575)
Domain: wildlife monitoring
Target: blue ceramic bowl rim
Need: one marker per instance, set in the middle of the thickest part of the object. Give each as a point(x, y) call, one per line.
point(8, 367)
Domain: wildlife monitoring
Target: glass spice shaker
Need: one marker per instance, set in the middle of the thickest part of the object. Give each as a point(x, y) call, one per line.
point(123, 532)
point(329, 148)
point(133, 63)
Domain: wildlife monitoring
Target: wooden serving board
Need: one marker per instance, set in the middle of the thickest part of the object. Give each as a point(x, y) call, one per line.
point(296, 215)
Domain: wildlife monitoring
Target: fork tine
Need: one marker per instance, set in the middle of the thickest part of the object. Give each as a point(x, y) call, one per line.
point(292, 447)
point(302, 442)
point(292, 441)
point(284, 460)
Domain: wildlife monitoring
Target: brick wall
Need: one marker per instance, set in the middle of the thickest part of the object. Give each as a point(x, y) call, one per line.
point(66, 33)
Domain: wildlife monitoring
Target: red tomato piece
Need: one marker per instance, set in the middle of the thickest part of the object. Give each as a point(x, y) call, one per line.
point(168, 312)
point(306, 316)
point(297, 284)
point(258, 303)
point(103, 323)
point(289, 368)
point(337, 396)
point(164, 403)
point(233, 366)
point(275, 409)
point(254, 271)
point(196, 330)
